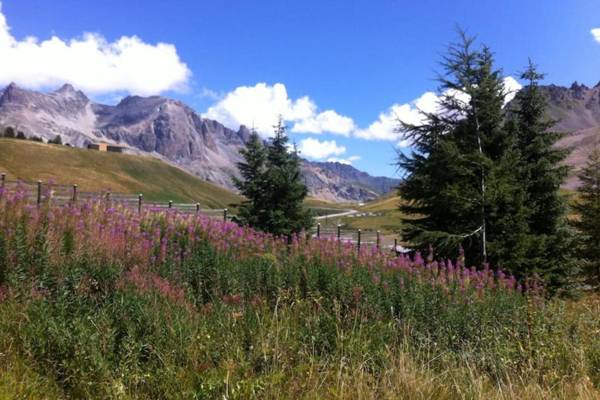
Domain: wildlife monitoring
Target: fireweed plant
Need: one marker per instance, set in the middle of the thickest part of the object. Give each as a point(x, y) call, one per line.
point(98, 300)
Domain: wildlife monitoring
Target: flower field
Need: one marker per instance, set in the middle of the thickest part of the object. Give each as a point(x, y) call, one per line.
point(100, 301)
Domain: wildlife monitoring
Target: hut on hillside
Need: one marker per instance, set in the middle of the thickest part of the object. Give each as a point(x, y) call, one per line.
point(105, 147)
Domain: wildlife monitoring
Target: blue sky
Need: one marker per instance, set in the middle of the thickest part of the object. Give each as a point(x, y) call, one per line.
point(331, 67)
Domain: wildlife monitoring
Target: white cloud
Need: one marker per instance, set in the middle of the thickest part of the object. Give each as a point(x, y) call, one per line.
point(326, 121)
point(91, 63)
point(347, 161)
point(318, 150)
point(511, 87)
point(262, 104)
point(386, 127)
point(596, 34)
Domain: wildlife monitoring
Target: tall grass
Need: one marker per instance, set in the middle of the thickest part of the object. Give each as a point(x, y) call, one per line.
point(98, 301)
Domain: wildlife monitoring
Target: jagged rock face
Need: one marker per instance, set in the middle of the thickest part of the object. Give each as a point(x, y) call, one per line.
point(167, 129)
point(577, 110)
point(333, 180)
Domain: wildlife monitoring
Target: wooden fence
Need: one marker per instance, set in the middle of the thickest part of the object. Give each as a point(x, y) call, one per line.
point(356, 236)
point(40, 192)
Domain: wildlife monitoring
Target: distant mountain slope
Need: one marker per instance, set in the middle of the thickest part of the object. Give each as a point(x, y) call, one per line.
point(577, 109)
point(167, 129)
point(331, 180)
point(97, 171)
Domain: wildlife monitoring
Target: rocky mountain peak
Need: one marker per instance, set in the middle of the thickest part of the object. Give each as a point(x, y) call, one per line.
point(68, 92)
point(170, 130)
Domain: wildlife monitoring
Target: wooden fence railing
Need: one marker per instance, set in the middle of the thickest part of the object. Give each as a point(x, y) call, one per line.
point(357, 236)
point(40, 192)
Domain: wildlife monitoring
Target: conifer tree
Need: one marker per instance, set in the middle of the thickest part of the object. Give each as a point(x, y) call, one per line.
point(272, 183)
point(588, 208)
point(9, 132)
point(252, 185)
point(285, 187)
point(549, 241)
point(460, 186)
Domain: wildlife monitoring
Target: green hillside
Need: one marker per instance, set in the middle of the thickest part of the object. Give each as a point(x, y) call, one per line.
point(98, 171)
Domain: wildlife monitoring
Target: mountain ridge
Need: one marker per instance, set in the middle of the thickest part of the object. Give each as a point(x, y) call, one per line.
point(170, 130)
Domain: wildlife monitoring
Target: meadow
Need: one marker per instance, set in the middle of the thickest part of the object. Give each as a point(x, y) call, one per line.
point(100, 301)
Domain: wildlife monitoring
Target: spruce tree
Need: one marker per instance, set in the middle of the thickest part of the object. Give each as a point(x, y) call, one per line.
point(541, 172)
point(272, 183)
point(460, 186)
point(588, 210)
point(285, 187)
point(252, 185)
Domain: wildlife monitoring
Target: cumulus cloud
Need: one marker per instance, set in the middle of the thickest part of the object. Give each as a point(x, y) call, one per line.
point(347, 161)
point(596, 34)
point(326, 121)
point(91, 63)
point(261, 105)
point(318, 150)
point(387, 124)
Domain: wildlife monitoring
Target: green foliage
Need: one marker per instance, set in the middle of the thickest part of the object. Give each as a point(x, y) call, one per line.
point(252, 184)
point(57, 140)
point(549, 242)
point(588, 210)
point(272, 184)
point(9, 132)
point(461, 187)
point(486, 179)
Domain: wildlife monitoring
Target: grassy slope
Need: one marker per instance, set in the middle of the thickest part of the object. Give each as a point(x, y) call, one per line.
point(96, 171)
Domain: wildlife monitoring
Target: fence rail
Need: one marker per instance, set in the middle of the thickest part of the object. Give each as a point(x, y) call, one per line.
point(59, 194)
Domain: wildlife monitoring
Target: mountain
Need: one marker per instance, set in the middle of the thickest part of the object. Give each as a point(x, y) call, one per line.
point(167, 129)
point(334, 180)
point(577, 110)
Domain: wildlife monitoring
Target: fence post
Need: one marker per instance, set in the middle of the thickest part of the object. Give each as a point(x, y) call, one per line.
point(170, 203)
point(74, 193)
point(140, 199)
point(339, 232)
point(225, 214)
point(39, 193)
point(3, 178)
point(318, 230)
point(358, 244)
point(378, 240)
point(197, 208)
point(108, 197)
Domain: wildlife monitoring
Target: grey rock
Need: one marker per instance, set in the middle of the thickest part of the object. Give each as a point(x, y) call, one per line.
point(167, 129)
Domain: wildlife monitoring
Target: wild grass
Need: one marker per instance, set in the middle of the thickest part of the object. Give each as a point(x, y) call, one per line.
point(102, 302)
point(96, 171)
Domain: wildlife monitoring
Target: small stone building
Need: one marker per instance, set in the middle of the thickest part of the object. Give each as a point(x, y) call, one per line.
point(105, 147)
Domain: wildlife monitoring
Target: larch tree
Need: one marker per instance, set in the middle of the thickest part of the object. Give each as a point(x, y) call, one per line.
point(460, 188)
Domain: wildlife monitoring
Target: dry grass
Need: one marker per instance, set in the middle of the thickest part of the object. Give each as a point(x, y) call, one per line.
point(97, 171)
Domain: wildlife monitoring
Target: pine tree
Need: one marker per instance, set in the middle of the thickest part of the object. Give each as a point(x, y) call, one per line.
point(460, 187)
point(272, 184)
point(541, 173)
point(253, 211)
point(57, 140)
point(588, 209)
point(9, 132)
point(285, 187)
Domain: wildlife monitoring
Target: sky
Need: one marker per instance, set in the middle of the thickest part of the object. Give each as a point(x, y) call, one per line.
point(339, 72)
